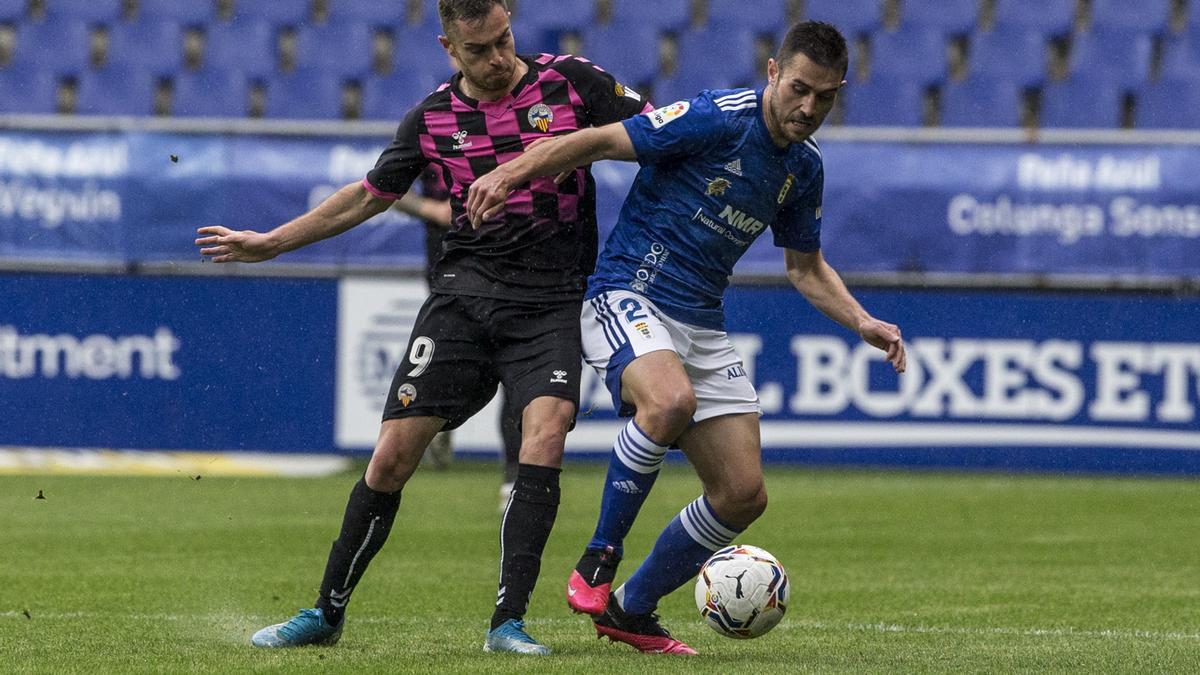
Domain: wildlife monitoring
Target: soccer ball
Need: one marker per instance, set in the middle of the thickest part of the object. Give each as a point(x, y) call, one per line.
point(742, 592)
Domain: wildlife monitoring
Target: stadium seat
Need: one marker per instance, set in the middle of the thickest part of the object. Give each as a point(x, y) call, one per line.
point(193, 13)
point(1148, 16)
point(664, 15)
point(950, 18)
point(1121, 55)
point(1169, 104)
point(1049, 17)
point(13, 10)
point(852, 17)
point(884, 101)
point(248, 46)
point(628, 51)
point(909, 52)
point(337, 47)
point(1081, 102)
point(1012, 53)
point(981, 102)
point(210, 92)
point(419, 50)
point(71, 40)
point(90, 11)
point(556, 15)
point(304, 93)
point(28, 90)
point(686, 84)
point(391, 96)
point(276, 12)
point(116, 90)
point(769, 18)
point(1181, 56)
point(155, 46)
point(727, 56)
point(371, 12)
point(533, 38)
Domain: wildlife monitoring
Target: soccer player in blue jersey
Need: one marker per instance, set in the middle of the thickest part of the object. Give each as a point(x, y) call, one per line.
point(716, 172)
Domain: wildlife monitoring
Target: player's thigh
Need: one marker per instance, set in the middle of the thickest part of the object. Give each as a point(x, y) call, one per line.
point(717, 373)
point(536, 356)
point(621, 329)
point(726, 452)
point(447, 370)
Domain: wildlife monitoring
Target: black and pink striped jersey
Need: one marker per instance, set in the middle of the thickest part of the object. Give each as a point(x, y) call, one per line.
point(543, 246)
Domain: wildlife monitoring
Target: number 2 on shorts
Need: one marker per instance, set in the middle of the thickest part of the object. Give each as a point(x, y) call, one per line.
point(632, 309)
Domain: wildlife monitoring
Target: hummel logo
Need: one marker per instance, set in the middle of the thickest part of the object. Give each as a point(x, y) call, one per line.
point(560, 377)
point(627, 486)
point(340, 599)
point(460, 139)
point(735, 167)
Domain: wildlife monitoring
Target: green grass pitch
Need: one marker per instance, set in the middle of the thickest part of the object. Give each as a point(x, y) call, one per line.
point(890, 572)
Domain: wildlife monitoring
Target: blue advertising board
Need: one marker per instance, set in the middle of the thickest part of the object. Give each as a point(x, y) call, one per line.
point(137, 197)
point(167, 363)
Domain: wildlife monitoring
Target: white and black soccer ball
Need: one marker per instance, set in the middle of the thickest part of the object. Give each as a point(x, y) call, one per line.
point(742, 592)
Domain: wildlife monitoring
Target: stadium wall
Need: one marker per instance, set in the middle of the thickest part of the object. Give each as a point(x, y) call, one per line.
point(1047, 292)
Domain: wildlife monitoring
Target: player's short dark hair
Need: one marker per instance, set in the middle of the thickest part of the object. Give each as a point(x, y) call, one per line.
point(466, 10)
point(820, 42)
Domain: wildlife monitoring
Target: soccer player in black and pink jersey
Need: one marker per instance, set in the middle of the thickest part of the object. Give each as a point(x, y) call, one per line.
point(504, 306)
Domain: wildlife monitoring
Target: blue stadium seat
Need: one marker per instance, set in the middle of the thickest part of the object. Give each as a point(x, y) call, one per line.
point(372, 12)
point(909, 52)
point(210, 92)
point(155, 46)
point(91, 11)
point(13, 10)
point(304, 94)
point(70, 38)
point(341, 48)
point(981, 102)
point(276, 12)
point(683, 85)
point(556, 14)
point(533, 38)
point(1048, 17)
point(116, 90)
point(191, 13)
point(420, 51)
point(727, 56)
point(390, 97)
point(664, 15)
point(885, 101)
point(1181, 56)
point(1013, 53)
point(852, 17)
point(1081, 102)
point(1169, 104)
point(1120, 55)
point(28, 89)
point(769, 18)
point(1149, 16)
point(628, 51)
point(951, 18)
point(248, 46)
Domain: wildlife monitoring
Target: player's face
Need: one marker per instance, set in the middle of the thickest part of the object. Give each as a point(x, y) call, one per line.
point(799, 96)
point(485, 52)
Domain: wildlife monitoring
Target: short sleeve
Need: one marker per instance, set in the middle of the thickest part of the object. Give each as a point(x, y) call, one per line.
point(401, 162)
point(604, 98)
point(680, 129)
point(798, 226)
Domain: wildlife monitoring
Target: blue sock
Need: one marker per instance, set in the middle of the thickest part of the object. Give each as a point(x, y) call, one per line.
point(632, 469)
point(681, 549)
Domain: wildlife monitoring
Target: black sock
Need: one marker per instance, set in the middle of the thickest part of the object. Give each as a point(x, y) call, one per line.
point(523, 534)
point(365, 527)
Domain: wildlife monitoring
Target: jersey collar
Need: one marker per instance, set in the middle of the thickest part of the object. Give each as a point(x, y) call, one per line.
point(503, 104)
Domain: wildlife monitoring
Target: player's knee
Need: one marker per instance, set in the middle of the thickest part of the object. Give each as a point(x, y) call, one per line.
point(740, 505)
point(668, 412)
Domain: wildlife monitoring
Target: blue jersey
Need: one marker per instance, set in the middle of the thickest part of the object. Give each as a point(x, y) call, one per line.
point(711, 181)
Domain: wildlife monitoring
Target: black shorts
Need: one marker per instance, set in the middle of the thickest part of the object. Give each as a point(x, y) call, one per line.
point(462, 347)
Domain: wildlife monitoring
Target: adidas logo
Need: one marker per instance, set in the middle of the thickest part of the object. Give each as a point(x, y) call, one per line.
point(735, 167)
point(627, 486)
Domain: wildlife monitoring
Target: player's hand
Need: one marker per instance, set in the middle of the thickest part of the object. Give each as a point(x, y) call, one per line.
point(486, 197)
point(885, 336)
point(226, 245)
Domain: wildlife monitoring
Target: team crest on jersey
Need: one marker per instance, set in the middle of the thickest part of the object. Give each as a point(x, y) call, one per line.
point(717, 187)
point(406, 393)
point(668, 114)
point(540, 116)
point(787, 186)
point(643, 328)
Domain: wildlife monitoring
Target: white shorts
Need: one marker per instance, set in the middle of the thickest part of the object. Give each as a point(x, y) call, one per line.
point(619, 326)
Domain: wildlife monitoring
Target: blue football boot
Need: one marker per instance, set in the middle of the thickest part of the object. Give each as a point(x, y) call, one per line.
point(510, 636)
point(306, 628)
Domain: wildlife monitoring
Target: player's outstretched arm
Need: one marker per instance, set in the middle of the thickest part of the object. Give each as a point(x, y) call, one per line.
point(343, 210)
point(547, 158)
point(820, 284)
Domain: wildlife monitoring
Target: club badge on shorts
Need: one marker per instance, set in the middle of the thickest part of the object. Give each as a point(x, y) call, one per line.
point(540, 116)
point(406, 393)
